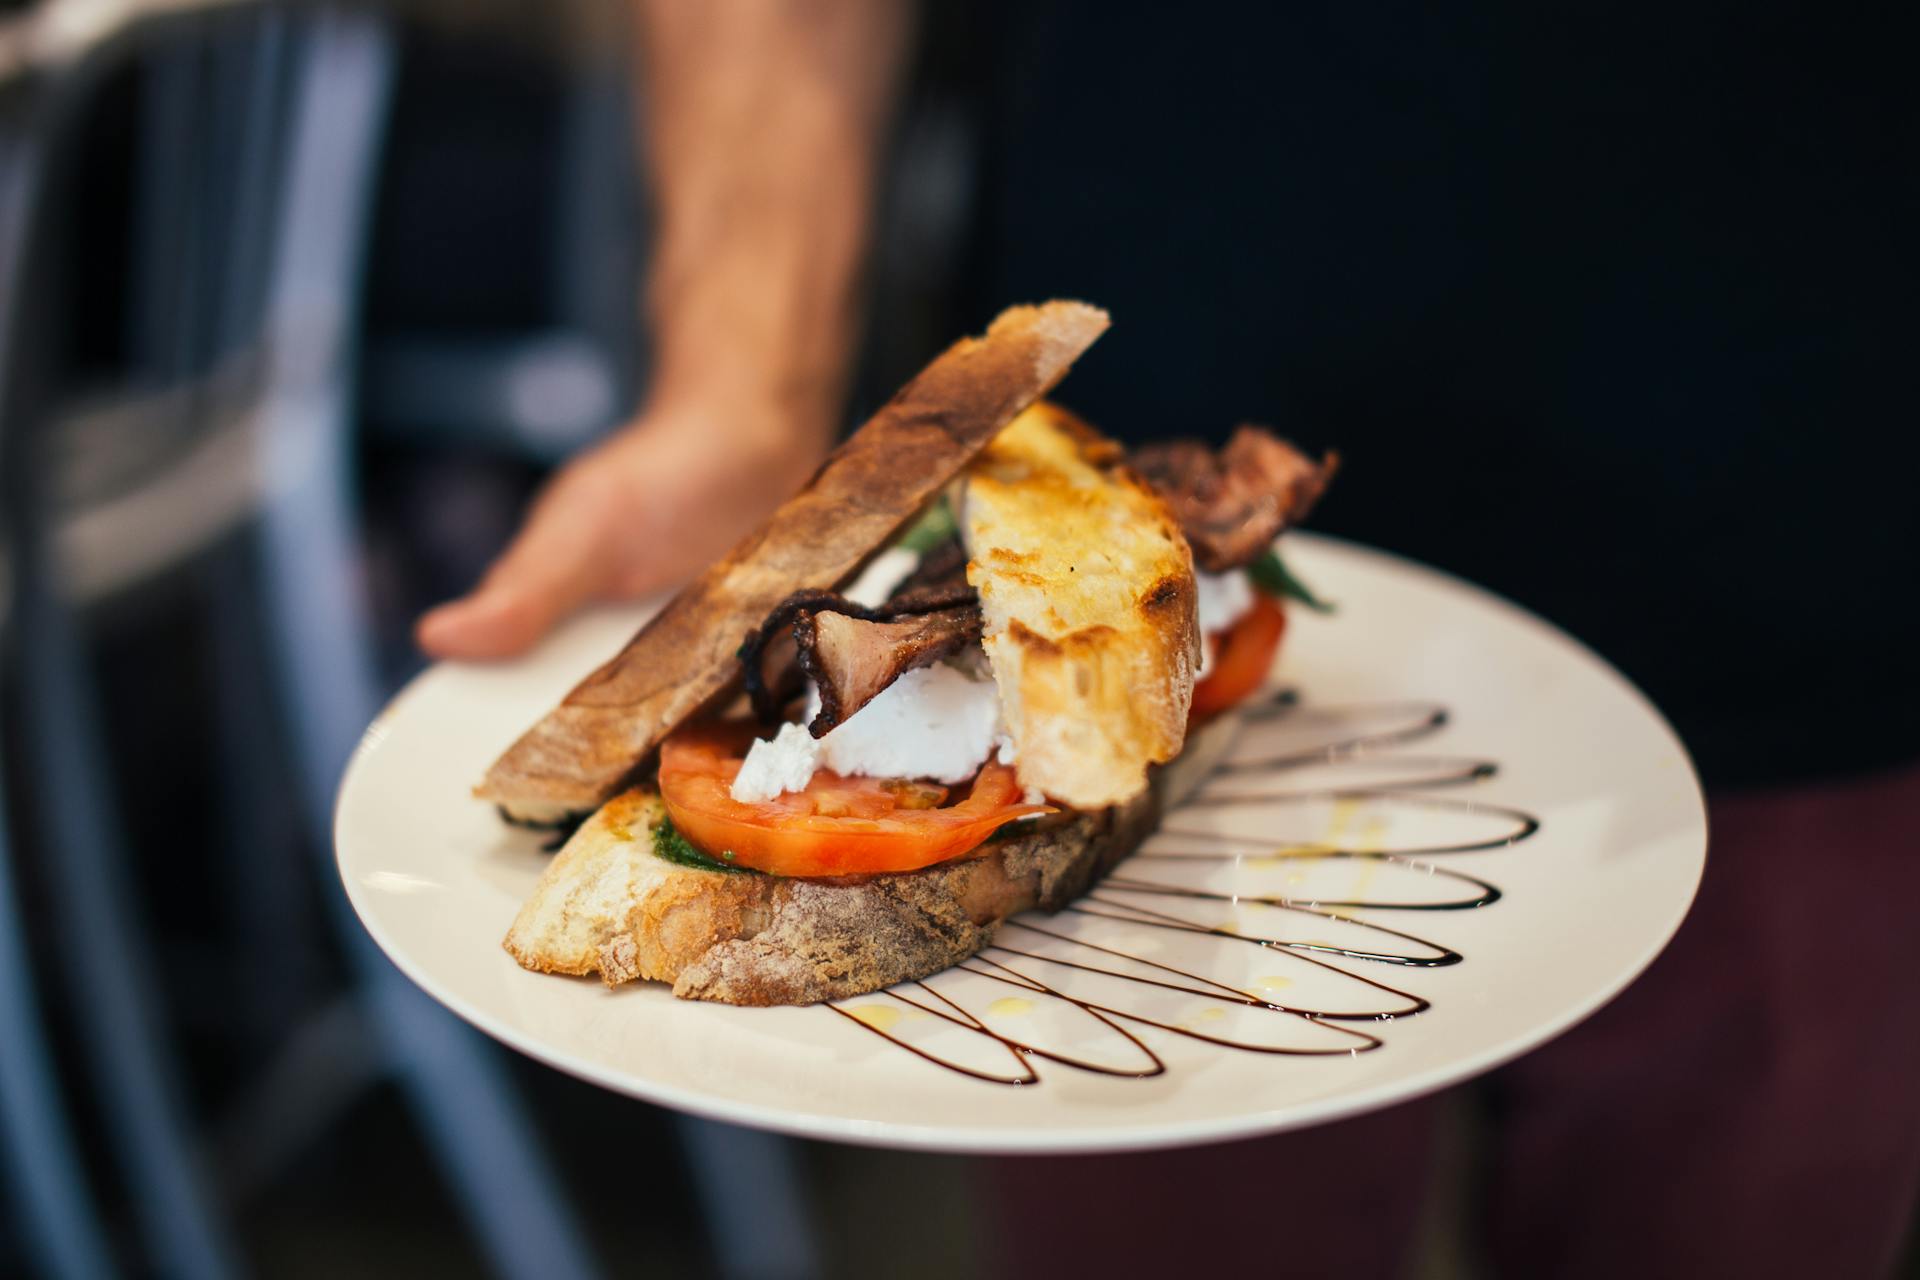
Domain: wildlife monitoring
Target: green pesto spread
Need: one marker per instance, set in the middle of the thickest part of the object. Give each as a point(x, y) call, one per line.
point(669, 844)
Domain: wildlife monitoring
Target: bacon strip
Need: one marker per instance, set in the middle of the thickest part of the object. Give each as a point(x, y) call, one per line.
point(1234, 503)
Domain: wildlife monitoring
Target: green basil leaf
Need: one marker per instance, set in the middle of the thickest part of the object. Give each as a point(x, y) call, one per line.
point(1271, 575)
point(934, 527)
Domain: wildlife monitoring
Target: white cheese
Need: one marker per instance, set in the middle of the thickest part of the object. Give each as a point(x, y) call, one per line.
point(783, 763)
point(934, 722)
point(1224, 599)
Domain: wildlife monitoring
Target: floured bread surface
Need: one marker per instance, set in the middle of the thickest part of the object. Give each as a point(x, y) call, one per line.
point(1086, 585)
point(607, 904)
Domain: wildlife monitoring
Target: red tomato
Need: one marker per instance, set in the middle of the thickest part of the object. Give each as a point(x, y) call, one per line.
point(838, 826)
point(1242, 656)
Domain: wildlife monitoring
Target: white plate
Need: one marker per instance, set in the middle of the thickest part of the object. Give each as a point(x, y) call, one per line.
point(1585, 902)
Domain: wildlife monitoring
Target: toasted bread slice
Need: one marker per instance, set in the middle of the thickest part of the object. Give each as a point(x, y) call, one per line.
point(1087, 589)
point(583, 751)
point(608, 904)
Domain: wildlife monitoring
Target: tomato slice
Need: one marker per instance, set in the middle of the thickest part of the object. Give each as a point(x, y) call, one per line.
point(838, 826)
point(1242, 656)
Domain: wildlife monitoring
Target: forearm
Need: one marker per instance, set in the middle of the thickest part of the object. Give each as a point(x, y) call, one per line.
point(762, 128)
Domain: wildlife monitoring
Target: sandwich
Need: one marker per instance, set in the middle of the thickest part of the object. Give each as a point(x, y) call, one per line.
point(952, 679)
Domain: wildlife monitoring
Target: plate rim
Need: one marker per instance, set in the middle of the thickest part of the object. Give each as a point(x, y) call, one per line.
point(1244, 1125)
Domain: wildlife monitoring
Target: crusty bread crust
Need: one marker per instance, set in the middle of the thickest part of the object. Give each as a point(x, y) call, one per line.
point(608, 905)
point(583, 751)
point(1087, 589)
point(829, 941)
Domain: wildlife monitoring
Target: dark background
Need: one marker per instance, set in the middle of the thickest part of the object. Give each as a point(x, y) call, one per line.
point(1609, 307)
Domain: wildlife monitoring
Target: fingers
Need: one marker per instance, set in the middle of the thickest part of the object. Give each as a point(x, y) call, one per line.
point(643, 510)
point(490, 623)
point(557, 563)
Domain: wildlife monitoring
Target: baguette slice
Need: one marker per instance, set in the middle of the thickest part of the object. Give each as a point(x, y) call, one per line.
point(583, 751)
point(1087, 589)
point(609, 905)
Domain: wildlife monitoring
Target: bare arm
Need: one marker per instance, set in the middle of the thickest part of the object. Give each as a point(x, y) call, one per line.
point(761, 124)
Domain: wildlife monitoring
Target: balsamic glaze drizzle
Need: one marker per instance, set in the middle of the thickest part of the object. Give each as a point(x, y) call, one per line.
point(1241, 784)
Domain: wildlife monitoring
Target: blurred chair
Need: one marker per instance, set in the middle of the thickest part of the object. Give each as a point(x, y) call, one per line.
point(54, 1209)
point(126, 1048)
point(255, 217)
point(57, 1216)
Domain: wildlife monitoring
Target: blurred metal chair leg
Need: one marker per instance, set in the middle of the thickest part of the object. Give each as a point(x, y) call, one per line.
point(110, 961)
point(46, 1184)
point(53, 1207)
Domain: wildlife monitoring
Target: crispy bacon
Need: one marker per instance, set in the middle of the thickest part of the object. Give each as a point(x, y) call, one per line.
point(1232, 504)
point(853, 652)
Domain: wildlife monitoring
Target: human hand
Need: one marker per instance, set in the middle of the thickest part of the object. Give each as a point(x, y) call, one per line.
point(648, 507)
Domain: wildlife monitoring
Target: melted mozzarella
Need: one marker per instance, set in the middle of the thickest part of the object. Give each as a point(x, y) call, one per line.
point(933, 722)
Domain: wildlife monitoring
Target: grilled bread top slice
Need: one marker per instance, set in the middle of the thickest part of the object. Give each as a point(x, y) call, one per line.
point(1087, 589)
